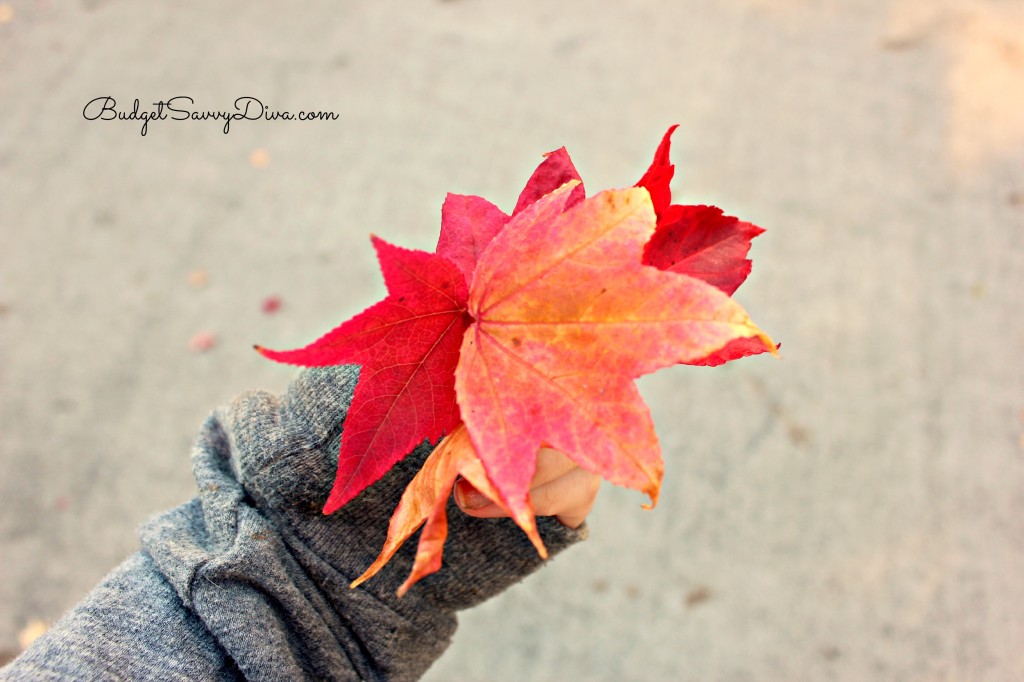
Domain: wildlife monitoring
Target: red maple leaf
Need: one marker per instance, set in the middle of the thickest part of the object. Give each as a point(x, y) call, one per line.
point(699, 241)
point(408, 343)
point(408, 347)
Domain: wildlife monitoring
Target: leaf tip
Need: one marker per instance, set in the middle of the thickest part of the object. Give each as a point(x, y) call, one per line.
point(561, 151)
point(373, 570)
point(661, 156)
point(528, 524)
point(270, 354)
point(652, 494)
point(331, 506)
point(770, 345)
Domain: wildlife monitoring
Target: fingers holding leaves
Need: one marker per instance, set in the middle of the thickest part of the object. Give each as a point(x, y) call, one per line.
point(559, 488)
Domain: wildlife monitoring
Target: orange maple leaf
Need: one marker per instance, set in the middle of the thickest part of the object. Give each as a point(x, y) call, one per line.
point(423, 504)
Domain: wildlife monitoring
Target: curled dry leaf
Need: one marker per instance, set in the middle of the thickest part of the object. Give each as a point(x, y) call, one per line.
point(424, 503)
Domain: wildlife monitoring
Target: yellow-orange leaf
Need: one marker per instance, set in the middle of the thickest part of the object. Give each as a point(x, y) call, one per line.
point(423, 504)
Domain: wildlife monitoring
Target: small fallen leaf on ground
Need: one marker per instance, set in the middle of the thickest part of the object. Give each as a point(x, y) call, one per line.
point(259, 158)
point(271, 304)
point(198, 278)
point(697, 595)
point(202, 342)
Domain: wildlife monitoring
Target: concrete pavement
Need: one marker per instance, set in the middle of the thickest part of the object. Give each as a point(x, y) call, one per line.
point(854, 511)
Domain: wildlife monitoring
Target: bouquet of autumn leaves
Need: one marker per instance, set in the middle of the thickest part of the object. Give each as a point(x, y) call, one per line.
point(527, 330)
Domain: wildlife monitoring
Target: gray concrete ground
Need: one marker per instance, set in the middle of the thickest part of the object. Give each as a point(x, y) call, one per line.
point(854, 511)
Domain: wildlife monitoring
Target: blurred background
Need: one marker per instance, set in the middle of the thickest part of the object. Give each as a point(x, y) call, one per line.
point(853, 511)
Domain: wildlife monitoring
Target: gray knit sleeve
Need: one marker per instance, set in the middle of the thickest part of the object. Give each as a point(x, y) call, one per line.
point(251, 580)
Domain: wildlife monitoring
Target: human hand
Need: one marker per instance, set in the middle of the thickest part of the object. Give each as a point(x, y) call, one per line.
point(559, 488)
